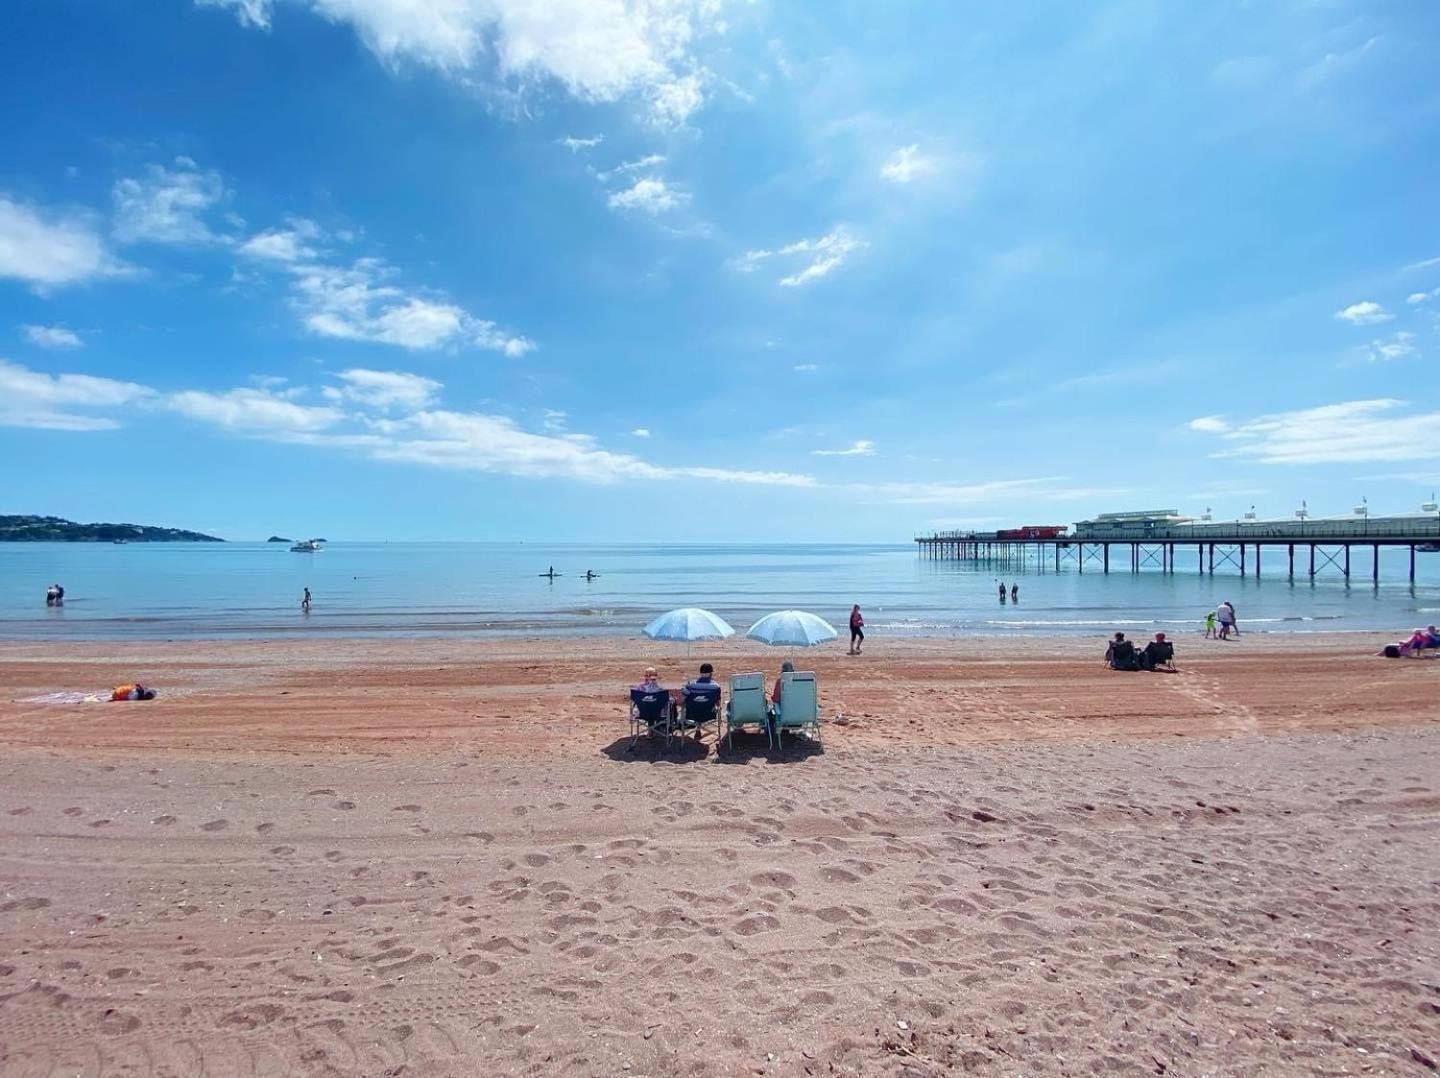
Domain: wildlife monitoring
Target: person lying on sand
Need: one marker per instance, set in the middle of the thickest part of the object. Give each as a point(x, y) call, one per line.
point(133, 691)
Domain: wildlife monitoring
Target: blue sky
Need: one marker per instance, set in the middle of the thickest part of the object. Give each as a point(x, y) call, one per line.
point(714, 269)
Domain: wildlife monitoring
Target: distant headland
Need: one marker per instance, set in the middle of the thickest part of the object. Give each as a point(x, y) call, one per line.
point(32, 529)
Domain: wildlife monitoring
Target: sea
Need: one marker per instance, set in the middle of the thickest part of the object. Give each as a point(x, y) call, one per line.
point(219, 590)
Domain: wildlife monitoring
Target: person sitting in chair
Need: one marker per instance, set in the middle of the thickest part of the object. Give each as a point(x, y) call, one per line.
point(651, 682)
point(787, 667)
point(1121, 654)
point(1159, 654)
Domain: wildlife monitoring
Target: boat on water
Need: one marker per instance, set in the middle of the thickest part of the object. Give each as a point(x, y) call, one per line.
point(308, 546)
point(1429, 548)
point(120, 542)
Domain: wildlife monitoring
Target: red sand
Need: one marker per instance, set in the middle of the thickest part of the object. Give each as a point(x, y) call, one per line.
point(437, 857)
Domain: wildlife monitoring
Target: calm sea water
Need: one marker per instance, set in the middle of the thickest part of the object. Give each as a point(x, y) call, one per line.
point(253, 589)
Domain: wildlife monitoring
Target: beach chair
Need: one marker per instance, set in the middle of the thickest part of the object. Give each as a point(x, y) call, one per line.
point(746, 706)
point(649, 714)
point(697, 711)
point(799, 707)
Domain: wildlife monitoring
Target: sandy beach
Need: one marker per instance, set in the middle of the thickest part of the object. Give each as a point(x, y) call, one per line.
point(438, 856)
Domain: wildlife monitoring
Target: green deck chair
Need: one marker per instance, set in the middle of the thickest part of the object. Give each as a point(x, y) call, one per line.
point(746, 706)
point(799, 707)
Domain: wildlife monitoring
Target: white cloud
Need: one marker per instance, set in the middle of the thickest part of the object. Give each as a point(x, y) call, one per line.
point(295, 243)
point(249, 12)
point(1399, 346)
point(52, 337)
point(167, 205)
point(640, 164)
point(384, 389)
point(821, 255)
point(1364, 313)
point(553, 420)
point(597, 50)
point(807, 368)
point(354, 303)
point(640, 432)
point(1365, 430)
point(862, 448)
point(52, 248)
point(489, 443)
point(966, 493)
point(650, 194)
point(33, 399)
point(1417, 297)
point(906, 165)
point(253, 411)
point(574, 144)
point(1209, 424)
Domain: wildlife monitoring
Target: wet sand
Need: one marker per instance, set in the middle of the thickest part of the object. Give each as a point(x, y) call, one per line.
point(439, 857)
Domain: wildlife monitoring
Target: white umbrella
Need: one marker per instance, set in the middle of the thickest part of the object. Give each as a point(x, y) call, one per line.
point(687, 624)
point(792, 628)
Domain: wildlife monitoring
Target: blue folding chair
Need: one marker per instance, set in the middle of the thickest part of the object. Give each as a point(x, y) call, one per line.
point(649, 714)
point(697, 711)
point(799, 707)
point(747, 707)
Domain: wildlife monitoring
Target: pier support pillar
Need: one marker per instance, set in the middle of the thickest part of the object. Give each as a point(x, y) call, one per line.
point(1292, 561)
point(1375, 576)
point(1212, 559)
point(1242, 559)
point(1412, 563)
point(1257, 561)
point(1347, 563)
point(1105, 556)
point(1200, 557)
point(1312, 561)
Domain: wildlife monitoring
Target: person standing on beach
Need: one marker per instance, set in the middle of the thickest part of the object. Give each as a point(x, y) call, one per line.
point(1014, 593)
point(305, 602)
point(1210, 625)
point(1002, 591)
point(1226, 614)
point(857, 629)
point(1234, 623)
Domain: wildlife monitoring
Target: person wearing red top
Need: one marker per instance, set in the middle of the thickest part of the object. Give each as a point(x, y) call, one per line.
point(857, 629)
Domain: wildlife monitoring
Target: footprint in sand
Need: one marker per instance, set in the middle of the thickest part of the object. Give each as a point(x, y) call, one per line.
point(164, 821)
point(215, 825)
point(762, 922)
point(25, 904)
point(253, 1017)
point(116, 1022)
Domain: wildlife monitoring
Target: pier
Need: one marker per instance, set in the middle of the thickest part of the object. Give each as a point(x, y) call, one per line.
point(1166, 543)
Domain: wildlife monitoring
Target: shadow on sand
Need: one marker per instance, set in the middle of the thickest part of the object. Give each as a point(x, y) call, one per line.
point(652, 750)
point(749, 745)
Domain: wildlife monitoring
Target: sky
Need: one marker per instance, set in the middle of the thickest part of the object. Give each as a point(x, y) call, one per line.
point(715, 270)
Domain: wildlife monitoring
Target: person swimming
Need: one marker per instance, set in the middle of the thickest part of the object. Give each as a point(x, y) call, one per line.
point(591, 574)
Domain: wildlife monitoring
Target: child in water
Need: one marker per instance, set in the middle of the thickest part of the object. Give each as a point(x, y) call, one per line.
point(1210, 630)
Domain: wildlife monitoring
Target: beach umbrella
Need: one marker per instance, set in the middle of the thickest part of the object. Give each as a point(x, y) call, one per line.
point(792, 629)
point(688, 624)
